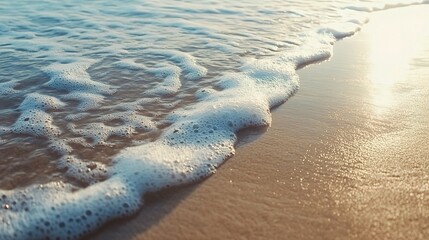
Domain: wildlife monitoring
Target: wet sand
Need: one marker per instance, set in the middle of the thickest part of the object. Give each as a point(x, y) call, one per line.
point(346, 158)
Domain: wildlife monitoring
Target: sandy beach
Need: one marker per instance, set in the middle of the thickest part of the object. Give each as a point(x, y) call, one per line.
point(345, 158)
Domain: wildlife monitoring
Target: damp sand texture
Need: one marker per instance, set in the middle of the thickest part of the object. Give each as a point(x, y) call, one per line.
point(99, 112)
point(342, 160)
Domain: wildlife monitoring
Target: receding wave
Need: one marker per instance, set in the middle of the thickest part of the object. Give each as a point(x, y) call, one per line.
point(103, 102)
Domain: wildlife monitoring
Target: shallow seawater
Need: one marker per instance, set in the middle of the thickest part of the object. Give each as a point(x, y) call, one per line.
point(109, 58)
point(102, 102)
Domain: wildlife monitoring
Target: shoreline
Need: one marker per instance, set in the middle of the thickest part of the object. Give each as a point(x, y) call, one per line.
point(310, 175)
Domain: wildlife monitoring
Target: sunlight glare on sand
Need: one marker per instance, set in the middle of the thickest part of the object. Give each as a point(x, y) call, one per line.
point(391, 55)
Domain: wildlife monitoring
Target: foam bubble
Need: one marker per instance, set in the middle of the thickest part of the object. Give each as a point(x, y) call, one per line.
point(367, 7)
point(59, 212)
point(204, 93)
point(60, 147)
point(74, 77)
point(86, 100)
point(129, 64)
point(87, 172)
point(35, 122)
point(274, 77)
point(187, 62)
point(341, 30)
point(193, 140)
point(77, 116)
point(377, 6)
point(171, 82)
point(99, 132)
point(131, 119)
point(170, 74)
point(7, 88)
point(40, 101)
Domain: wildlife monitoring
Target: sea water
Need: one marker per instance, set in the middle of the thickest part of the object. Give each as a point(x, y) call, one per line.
point(102, 102)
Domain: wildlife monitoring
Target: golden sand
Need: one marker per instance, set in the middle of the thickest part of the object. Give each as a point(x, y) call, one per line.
point(346, 158)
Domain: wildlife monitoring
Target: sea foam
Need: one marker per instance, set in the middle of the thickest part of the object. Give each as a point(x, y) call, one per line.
point(176, 108)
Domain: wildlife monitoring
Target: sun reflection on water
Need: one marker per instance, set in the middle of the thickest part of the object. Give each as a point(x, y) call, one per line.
point(391, 55)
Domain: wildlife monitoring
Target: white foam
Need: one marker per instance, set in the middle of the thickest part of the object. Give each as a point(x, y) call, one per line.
point(74, 77)
point(129, 64)
point(169, 73)
point(204, 93)
point(60, 147)
point(77, 116)
point(7, 88)
point(40, 101)
point(87, 172)
point(87, 100)
point(99, 132)
point(131, 119)
point(171, 83)
point(187, 62)
point(341, 30)
point(56, 210)
point(367, 7)
point(35, 122)
point(377, 6)
point(129, 123)
point(33, 119)
point(194, 141)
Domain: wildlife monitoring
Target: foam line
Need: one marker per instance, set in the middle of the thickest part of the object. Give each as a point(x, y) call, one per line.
point(196, 139)
point(187, 62)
